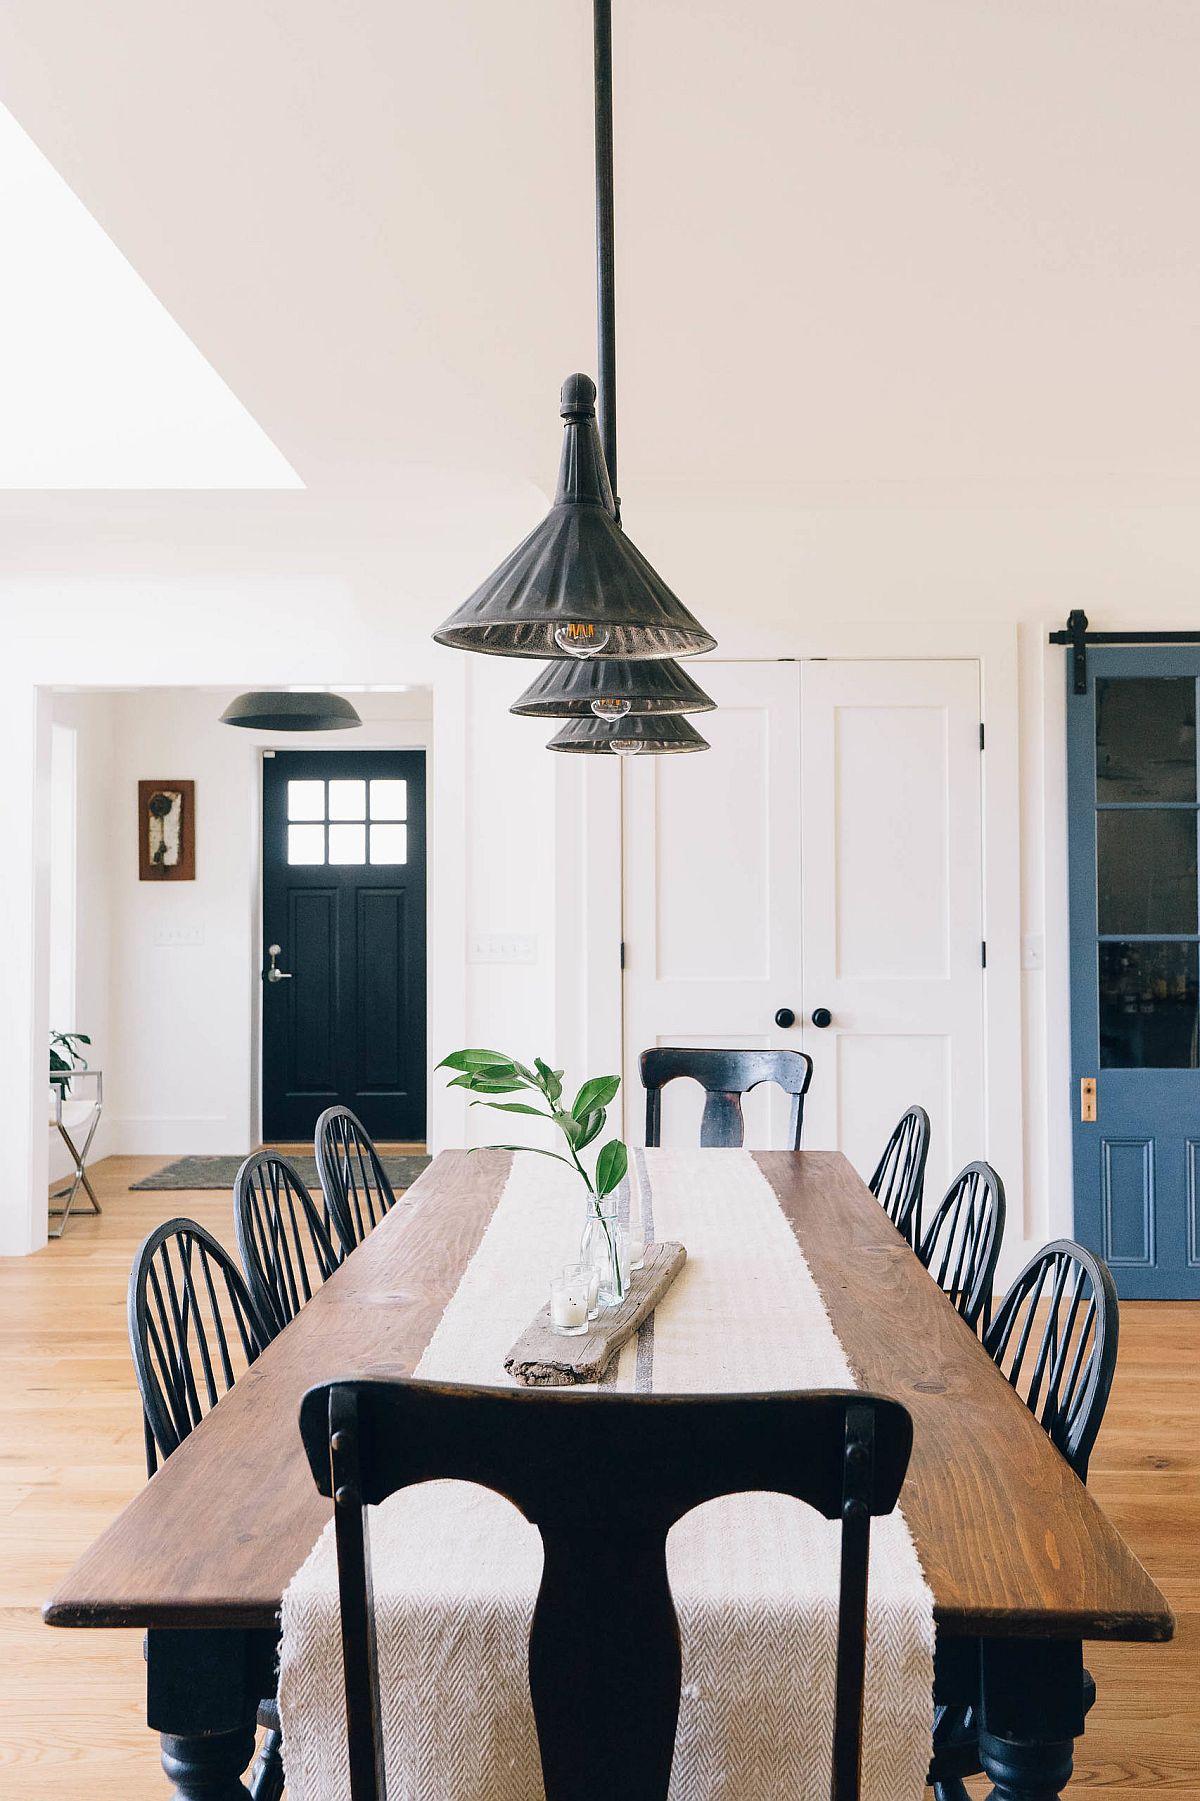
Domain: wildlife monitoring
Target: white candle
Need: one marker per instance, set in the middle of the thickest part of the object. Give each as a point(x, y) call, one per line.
point(569, 1299)
point(637, 1250)
point(567, 1309)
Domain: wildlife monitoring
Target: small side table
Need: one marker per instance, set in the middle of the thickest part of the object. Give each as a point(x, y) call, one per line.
point(70, 1115)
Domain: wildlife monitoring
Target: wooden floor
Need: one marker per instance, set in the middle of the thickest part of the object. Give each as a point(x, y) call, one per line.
point(71, 1703)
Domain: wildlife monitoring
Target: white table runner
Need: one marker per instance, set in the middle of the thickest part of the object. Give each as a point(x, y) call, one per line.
point(754, 1577)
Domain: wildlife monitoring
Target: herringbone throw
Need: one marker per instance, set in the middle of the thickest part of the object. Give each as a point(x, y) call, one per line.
point(754, 1576)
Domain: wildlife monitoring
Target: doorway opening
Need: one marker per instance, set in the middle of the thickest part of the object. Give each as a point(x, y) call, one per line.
point(343, 934)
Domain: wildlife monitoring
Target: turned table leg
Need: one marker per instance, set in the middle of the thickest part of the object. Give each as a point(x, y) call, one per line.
point(203, 1690)
point(1032, 1705)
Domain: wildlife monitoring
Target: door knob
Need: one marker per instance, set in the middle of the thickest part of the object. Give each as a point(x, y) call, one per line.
point(822, 1017)
point(785, 1018)
point(274, 974)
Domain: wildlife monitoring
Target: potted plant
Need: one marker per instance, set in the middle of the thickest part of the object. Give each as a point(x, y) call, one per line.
point(66, 1056)
point(489, 1074)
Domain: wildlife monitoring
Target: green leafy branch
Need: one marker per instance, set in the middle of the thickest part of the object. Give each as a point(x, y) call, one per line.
point(65, 1054)
point(488, 1074)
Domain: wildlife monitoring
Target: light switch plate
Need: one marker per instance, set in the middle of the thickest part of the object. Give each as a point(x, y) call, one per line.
point(177, 937)
point(502, 947)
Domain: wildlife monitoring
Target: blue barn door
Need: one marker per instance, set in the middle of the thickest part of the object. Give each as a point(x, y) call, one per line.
point(1135, 940)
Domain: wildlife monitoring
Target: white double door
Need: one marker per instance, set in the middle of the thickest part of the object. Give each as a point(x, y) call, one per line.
point(823, 858)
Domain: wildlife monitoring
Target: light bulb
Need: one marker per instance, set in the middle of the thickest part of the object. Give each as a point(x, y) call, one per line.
point(581, 639)
point(609, 707)
point(627, 747)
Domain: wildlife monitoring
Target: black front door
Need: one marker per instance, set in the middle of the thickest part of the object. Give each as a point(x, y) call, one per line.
point(344, 902)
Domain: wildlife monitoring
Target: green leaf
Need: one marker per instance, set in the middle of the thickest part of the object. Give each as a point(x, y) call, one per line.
point(486, 1085)
point(591, 1127)
point(535, 1149)
point(477, 1060)
point(611, 1165)
point(511, 1107)
point(551, 1080)
point(596, 1093)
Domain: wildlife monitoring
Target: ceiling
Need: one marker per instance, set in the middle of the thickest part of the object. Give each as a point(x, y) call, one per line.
point(862, 247)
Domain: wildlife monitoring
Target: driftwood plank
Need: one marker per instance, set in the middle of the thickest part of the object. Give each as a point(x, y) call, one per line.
point(544, 1358)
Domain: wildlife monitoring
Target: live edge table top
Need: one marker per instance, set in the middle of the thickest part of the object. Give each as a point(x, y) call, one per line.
point(1011, 1542)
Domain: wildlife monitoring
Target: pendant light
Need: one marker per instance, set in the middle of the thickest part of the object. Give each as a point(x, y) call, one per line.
point(577, 586)
point(645, 734)
point(273, 710)
point(610, 688)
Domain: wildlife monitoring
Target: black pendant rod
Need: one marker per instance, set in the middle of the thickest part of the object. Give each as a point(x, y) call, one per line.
point(606, 299)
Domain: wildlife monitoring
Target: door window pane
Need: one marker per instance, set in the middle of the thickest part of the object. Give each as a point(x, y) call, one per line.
point(389, 800)
point(1145, 738)
point(389, 844)
point(306, 800)
point(347, 843)
point(306, 843)
point(1148, 1015)
point(347, 800)
point(1146, 871)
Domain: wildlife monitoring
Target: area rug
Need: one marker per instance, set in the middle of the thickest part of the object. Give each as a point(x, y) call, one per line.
point(219, 1172)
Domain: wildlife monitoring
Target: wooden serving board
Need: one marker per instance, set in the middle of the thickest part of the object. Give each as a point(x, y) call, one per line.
point(544, 1358)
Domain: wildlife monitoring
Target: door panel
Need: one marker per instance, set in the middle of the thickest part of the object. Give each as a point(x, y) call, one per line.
point(892, 905)
point(1135, 940)
point(344, 898)
point(712, 893)
point(873, 771)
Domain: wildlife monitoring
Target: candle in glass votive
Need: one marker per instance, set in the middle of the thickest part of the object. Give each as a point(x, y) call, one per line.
point(637, 1248)
point(569, 1301)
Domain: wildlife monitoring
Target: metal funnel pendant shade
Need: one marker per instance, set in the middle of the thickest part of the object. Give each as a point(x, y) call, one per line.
point(267, 710)
point(653, 734)
point(610, 688)
point(577, 586)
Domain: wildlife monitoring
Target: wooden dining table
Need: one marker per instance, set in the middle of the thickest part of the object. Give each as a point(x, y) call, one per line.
point(1024, 1566)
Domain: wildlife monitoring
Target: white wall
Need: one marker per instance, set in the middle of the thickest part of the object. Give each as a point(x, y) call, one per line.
point(91, 717)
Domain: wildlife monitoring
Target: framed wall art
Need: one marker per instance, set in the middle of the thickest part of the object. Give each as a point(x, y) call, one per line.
point(167, 831)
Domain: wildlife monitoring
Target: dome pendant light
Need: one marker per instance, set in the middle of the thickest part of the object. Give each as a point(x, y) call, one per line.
point(644, 734)
point(576, 587)
point(609, 688)
point(268, 710)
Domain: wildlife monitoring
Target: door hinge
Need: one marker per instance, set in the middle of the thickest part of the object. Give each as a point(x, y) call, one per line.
point(622, 953)
point(983, 954)
point(1087, 1097)
point(982, 736)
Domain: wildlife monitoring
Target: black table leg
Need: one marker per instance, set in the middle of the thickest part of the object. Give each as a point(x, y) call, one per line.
point(203, 1690)
point(1032, 1706)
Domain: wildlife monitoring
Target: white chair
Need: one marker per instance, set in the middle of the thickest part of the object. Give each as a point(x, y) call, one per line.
point(72, 1114)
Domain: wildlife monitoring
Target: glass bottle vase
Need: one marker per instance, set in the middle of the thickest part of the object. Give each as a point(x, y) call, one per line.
point(600, 1249)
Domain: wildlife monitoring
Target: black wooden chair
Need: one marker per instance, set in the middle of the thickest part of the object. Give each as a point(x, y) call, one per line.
point(725, 1077)
point(603, 1477)
point(193, 1330)
point(899, 1180)
point(280, 1232)
point(962, 1242)
point(1064, 1303)
point(353, 1180)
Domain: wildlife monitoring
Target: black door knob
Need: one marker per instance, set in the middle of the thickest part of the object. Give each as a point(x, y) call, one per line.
point(822, 1017)
point(785, 1018)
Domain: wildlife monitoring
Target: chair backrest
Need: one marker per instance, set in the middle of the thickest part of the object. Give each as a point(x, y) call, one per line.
point(899, 1180)
point(725, 1077)
point(283, 1242)
point(193, 1329)
point(960, 1245)
point(353, 1180)
point(1064, 1302)
point(603, 1477)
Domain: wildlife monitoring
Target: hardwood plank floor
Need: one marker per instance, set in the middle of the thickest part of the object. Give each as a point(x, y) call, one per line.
point(72, 1703)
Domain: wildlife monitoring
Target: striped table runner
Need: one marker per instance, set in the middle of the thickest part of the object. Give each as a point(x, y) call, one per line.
point(754, 1576)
